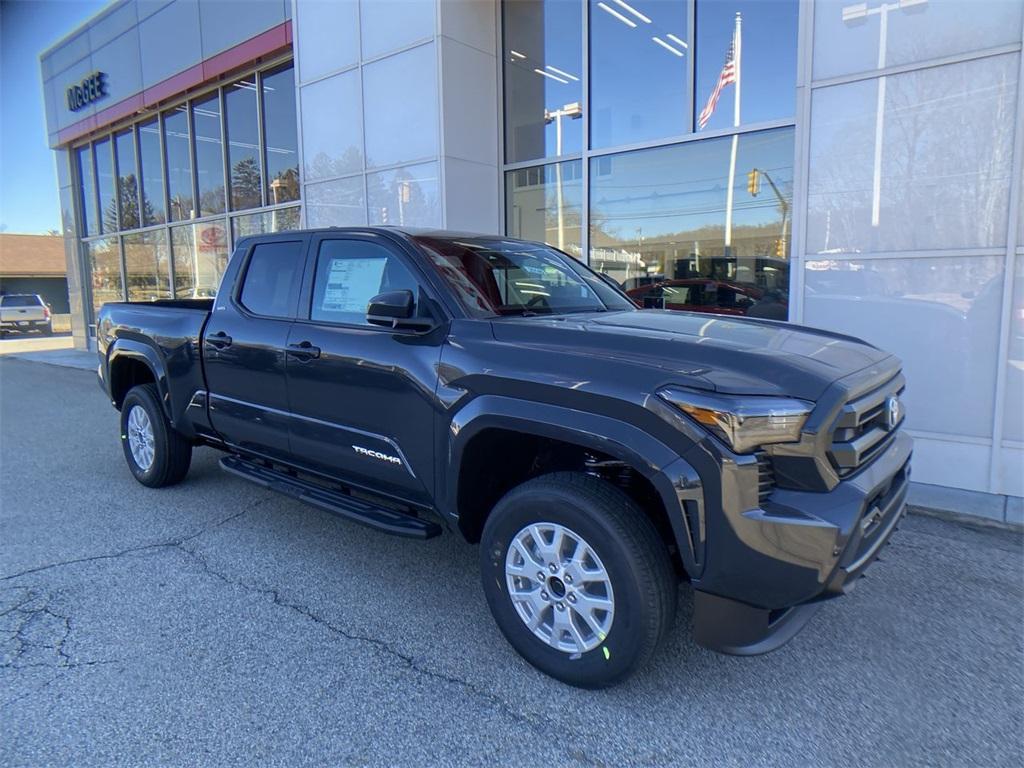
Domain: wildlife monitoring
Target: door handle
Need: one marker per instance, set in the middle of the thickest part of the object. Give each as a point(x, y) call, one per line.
point(219, 339)
point(304, 350)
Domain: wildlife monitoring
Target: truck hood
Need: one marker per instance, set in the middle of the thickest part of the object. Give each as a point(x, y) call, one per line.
point(723, 354)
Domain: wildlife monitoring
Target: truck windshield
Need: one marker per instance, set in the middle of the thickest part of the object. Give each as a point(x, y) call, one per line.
point(24, 300)
point(495, 276)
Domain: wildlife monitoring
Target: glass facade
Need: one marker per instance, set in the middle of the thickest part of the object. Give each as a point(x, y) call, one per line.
point(639, 71)
point(177, 147)
point(209, 151)
point(545, 204)
point(153, 207)
point(659, 219)
point(89, 221)
point(678, 220)
point(543, 59)
point(147, 259)
point(246, 177)
point(127, 181)
point(201, 254)
point(142, 179)
point(105, 183)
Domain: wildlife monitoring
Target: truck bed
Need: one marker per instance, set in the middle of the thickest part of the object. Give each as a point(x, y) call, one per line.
point(169, 334)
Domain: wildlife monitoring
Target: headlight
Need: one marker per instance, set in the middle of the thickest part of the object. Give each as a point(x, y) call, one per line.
point(743, 423)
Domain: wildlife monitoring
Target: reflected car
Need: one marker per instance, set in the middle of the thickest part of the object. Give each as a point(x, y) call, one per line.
point(714, 296)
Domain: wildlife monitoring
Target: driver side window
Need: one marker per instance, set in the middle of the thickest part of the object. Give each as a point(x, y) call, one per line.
point(351, 272)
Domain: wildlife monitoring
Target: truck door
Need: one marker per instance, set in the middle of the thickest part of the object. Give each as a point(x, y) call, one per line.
point(363, 396)
point(245, 346)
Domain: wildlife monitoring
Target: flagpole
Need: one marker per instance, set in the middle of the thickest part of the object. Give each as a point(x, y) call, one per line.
point(737, 48)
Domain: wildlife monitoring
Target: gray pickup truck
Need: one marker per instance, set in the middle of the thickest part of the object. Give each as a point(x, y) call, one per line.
point(601, 455)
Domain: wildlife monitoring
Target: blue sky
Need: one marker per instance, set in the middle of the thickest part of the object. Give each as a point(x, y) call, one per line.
point(28, 180)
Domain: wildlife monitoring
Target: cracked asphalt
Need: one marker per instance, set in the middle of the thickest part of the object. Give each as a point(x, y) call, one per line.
point(217, 624)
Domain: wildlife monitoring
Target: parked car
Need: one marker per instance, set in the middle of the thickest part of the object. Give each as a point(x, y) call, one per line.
point(422, 381)
point(25, 312)
point(715, 296)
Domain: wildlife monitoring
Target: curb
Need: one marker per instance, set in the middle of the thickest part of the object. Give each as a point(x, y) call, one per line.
point(969, 521)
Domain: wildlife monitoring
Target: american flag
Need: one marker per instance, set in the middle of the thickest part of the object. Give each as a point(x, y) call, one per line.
point(727, 77)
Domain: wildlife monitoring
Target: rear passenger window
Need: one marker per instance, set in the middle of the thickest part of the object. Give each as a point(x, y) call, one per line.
point(351, 272)
point(272, 279)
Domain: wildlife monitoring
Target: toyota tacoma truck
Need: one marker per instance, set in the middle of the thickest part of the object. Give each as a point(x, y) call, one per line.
point(600, 454)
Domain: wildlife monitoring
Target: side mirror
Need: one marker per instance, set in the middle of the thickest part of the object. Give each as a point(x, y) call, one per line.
point(394, 309)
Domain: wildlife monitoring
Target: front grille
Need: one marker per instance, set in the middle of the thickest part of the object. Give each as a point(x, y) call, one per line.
point(862, 429)
point(765, 476)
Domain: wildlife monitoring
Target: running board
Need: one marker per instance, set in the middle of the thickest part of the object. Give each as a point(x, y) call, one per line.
point(336, 502)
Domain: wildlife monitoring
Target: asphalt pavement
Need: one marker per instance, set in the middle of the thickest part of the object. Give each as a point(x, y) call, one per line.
point(217, 624)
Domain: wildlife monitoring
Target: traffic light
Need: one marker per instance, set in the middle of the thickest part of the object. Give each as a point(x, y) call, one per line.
point(754, 182)
point(780, 248)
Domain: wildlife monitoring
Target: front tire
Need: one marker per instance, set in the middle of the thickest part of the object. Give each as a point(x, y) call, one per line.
point(157, 455)
point(577, 578)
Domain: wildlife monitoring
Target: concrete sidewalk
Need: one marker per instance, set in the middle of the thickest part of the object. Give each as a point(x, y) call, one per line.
point(66, 358)
point(53, 350)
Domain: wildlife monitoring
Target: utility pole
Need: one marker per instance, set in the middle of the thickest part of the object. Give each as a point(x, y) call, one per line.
point(574, 111)
point(735, 137)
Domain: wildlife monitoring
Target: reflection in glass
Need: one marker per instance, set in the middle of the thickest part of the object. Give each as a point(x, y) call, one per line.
point(639, 85)
point(104, 260)
point(545, 204)
point(1013, 415)
point(924, 310)
point(393, 24)
point(767, 63)
point(848, 35)
point(332, 124)
point(400, 97)
point(405, 196)
point(658, 219)
point(543, 64)
point(338, 203)
point(200, 258)
point(152, 173)
point(147, 262)
point(127, 180)
point(179, 164)
point(209, 160)
point(281, 220)
point(279, 133)
point(243, 144)
point(940, 158)
point(329, 31)
point(87, 190)
point(106, 183)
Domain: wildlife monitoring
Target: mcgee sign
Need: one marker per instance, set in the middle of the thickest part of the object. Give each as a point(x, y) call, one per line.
point(92, 88)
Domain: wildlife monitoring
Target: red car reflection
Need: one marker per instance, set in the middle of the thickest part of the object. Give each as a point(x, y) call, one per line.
point(714, 296)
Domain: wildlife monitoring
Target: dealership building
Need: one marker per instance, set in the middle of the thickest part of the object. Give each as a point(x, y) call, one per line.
point(855, 166)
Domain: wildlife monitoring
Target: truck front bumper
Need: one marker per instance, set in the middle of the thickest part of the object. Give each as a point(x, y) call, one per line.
point(769, 569)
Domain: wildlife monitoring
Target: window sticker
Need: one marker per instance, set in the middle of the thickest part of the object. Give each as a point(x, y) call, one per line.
point(351, 283)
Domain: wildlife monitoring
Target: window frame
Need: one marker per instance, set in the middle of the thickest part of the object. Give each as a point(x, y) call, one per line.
point(243, 274)
point(396, 249)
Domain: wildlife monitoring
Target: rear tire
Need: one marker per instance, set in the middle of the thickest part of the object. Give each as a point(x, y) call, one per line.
point(157, 455)
point(611, 556)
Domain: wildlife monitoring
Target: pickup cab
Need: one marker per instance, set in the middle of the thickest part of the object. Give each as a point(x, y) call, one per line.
point(600, 454)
